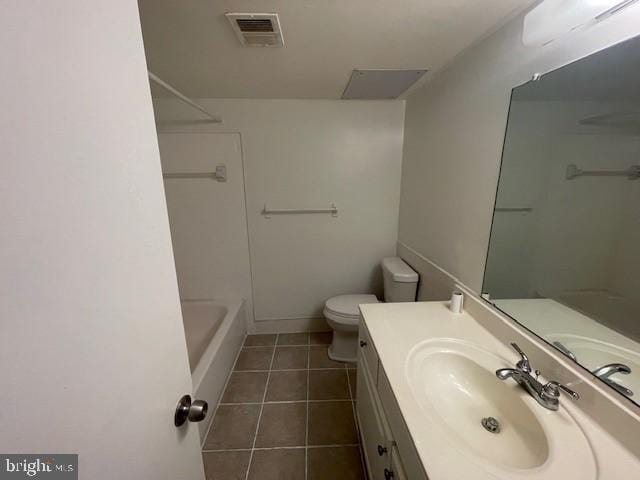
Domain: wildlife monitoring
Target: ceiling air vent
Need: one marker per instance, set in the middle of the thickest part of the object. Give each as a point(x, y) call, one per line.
point(380, 84)
point(257, 29)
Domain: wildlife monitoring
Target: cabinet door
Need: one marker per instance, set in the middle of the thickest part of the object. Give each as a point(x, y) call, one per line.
point(368, 351)
point(402, 439)
point(375, 437)
point(397, 470)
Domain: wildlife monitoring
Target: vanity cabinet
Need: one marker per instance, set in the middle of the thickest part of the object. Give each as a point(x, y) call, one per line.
point(374, 430)
point(388, 450)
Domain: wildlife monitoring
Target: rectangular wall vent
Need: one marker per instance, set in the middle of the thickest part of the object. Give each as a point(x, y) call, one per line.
point(257, 29)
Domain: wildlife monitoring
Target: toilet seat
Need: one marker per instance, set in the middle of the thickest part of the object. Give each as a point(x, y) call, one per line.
point(343, 316)
point(344, 308)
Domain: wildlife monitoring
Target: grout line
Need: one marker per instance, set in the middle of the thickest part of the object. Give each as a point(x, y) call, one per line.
point(355, 420)
point(251, 347)
point(291, 369)
point(333, 445)
point(291, 345)
point(294, 447)
point(346, 371)
point(271, 402)
point(355, 417)
point(220, 450)
point(264, 396)
point(224, 390)
point(270, 346)
point(306, 437)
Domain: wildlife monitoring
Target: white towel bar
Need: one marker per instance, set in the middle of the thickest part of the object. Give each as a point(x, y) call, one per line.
point(267, 212)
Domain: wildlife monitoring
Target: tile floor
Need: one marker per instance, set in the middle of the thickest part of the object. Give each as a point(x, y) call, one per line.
point(287, 413)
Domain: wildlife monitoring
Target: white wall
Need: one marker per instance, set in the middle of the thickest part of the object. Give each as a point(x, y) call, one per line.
point(306, 153)
point(454, 132)
point(208, 218)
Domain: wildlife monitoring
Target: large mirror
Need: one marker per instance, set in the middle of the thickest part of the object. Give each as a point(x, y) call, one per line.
point(564, 255)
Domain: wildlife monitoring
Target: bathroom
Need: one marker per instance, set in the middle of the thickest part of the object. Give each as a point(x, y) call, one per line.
point(307, 260)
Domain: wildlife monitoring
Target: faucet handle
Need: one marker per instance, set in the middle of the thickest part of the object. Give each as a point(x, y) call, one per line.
point(552, 389)
point(523, 364)
point(611, 368)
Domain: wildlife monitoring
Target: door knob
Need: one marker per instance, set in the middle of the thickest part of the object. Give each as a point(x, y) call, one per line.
point(194, 411)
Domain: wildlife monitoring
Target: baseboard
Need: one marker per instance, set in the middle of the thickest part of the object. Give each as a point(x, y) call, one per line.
point(290, 325)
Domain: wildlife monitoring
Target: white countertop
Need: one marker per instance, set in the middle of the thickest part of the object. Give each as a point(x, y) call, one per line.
point(396, 329)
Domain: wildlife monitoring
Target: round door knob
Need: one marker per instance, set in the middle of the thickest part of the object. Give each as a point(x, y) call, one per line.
point(388, 474)
point(194, 411)
point(198, 410)
point(363, 343)
point(381, 450)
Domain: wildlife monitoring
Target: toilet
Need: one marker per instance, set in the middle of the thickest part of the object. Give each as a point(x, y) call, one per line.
point(343, 313)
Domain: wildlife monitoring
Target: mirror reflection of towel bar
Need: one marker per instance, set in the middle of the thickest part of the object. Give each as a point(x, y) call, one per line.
point(267, 211)
point(220, 174)
point(190, 175)
point(632, 173)
point(514, 209)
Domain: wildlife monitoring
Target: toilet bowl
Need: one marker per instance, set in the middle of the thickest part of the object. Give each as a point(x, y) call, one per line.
point(343, 312)
point(343, 315)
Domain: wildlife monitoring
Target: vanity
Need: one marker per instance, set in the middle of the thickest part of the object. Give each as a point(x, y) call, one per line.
point(430, 405)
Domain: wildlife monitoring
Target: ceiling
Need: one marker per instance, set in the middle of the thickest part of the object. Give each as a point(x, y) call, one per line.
point(190, 44)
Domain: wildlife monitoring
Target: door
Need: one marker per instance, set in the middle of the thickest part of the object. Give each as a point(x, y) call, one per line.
point(92, 351)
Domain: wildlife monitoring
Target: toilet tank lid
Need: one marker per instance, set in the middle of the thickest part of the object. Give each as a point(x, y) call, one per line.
point(399, 270)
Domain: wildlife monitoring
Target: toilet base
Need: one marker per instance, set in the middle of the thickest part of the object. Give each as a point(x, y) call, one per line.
point(344, 347)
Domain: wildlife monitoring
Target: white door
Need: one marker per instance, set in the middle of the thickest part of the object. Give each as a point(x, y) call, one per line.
point(92, 350)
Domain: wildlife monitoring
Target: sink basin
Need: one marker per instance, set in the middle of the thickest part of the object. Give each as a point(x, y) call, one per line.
point(463, 393)
point(455, 385)
point(593, 354)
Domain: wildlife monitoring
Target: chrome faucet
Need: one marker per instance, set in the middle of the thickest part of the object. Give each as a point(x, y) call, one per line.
point(547, 395)
point(604, 372)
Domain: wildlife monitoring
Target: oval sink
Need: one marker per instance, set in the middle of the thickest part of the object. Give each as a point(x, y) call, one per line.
point(454, 383)
point(463, 393)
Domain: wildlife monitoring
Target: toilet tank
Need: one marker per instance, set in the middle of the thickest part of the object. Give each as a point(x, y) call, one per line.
point(400, 280)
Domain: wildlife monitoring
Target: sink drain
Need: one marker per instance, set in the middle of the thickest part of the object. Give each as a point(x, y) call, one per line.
point(490, 424)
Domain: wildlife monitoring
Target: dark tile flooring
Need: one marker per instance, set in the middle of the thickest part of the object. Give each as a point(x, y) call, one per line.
point(287, 413)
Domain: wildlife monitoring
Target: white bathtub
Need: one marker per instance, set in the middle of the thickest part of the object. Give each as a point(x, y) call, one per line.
point(214, 332)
